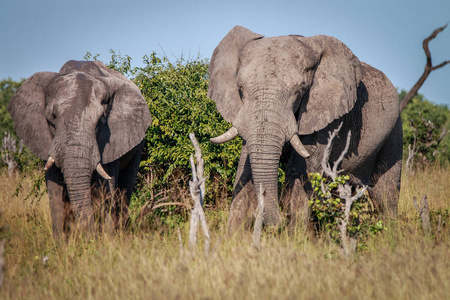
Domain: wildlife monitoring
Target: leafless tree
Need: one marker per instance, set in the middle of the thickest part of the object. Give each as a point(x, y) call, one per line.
point(344, 190)
point(428, 69)
point(197, 189)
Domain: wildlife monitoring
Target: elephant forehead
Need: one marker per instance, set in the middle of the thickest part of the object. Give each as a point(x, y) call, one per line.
point(280, 51)
point(74, 92)
point(281, 58)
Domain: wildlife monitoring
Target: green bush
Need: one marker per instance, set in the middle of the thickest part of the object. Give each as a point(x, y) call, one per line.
point(7, 89)
point(327, 211)
point(423, 124)
point(176, 93)
point(26, 160)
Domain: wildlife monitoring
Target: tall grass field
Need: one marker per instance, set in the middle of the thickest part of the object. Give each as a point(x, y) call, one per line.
point(401, 262)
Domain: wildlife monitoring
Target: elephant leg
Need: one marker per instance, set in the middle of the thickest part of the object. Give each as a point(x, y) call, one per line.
point(244, 199)
point(295, 197)
point(125, 171)
point(129, 167)
point(387, 173)
point(58, 200)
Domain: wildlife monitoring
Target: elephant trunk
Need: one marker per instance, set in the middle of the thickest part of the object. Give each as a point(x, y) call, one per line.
point(265, 140)
point(77, 167)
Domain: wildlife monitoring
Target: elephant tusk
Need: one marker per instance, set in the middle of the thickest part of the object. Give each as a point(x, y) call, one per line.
point(49, 164)
point(102, 172)
point(298, 146)
point(226, 137)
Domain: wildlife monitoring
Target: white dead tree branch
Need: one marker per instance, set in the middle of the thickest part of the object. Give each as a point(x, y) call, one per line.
point(257, 230)
point(412, 151)
point(9, 151)
point(428, 68)
point(424, 213)
point(197, 190)
point(344, 190)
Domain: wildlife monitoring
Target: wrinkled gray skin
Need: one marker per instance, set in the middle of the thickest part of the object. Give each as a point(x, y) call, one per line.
point(276, 89)
point(83, 117)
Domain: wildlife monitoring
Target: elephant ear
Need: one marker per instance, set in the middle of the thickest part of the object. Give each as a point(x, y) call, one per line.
point(333, 92)
point(27, 108)
point(128, 118)
point(223, 88)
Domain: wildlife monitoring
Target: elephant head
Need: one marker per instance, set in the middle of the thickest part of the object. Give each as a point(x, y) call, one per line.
point(78, 119)
point(274, 89)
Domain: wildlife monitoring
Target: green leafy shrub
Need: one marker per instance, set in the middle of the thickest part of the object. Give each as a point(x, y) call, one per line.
point(176, 93)
point(25, 159)
point(424, 125)
point(327, 211)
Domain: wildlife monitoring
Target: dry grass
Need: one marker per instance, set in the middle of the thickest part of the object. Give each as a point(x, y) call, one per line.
point(402, 263)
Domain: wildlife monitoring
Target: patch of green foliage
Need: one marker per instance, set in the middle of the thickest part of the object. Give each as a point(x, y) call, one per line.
point(25, 159)
point(176, 93)
point(7, 89)
point(423, 125)
point(327, 211)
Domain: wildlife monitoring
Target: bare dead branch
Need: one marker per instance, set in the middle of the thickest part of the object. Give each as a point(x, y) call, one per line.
point(259, 219)
point(197, 190)
point(428, 68)
point(331, 172)
point(344, 190)
point(412, 151)
point(170, 204)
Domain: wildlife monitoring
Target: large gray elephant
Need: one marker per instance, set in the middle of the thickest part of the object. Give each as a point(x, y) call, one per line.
point(84, 118)
point(283, 96)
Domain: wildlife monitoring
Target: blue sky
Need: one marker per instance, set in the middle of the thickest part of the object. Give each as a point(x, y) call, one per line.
point(387, 34)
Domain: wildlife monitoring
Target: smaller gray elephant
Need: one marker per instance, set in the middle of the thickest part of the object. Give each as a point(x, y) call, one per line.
point(284, 95)
point(84, 118)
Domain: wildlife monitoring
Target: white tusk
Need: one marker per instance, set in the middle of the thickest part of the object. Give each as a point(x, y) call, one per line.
point(102, 172)
point(298, 146)
point(49, 164)
point(226, 137)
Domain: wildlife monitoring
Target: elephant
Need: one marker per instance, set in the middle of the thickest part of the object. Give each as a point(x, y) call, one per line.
point(84, 118)
point(284, 96)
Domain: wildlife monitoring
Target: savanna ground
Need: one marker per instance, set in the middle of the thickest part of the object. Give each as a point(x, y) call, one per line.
point(400, 263)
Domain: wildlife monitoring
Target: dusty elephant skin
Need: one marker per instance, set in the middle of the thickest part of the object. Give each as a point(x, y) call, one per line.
point(88, 123)
point(283, 96)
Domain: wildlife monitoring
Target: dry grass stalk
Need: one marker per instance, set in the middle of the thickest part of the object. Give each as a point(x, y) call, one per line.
point(2, 248)
point(259, 219)
point(424, 213)
point(181, 243)
point(344, 190)
point(197, 190)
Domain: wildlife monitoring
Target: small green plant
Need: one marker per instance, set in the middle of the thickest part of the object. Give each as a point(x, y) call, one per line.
point(328, 211)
